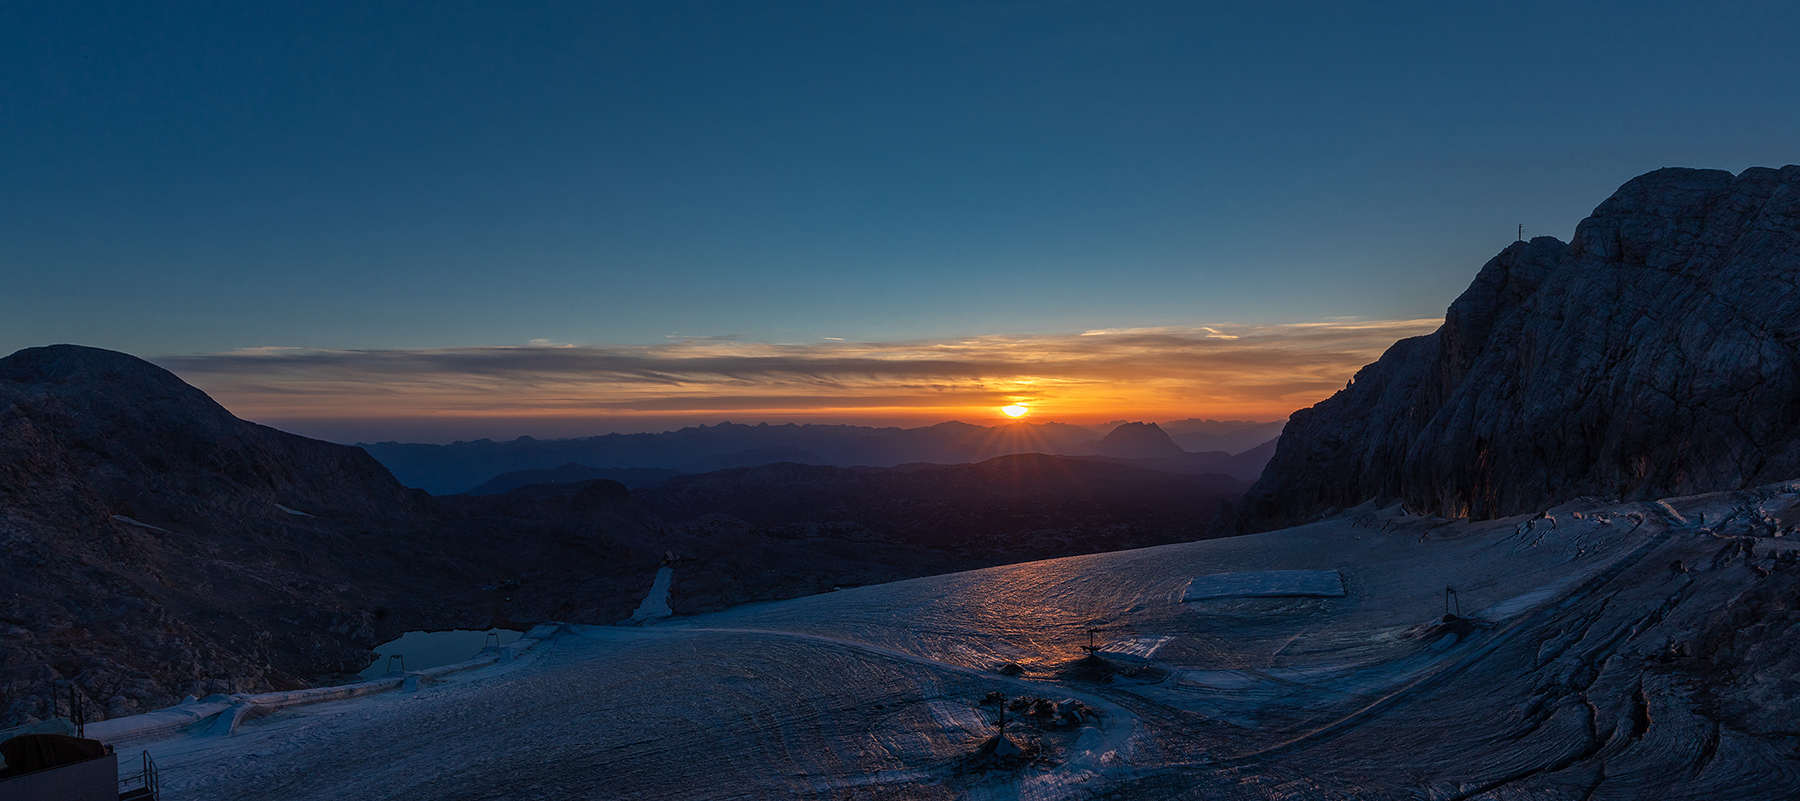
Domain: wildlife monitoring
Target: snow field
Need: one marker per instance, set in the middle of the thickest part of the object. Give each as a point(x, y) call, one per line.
point(873, 692)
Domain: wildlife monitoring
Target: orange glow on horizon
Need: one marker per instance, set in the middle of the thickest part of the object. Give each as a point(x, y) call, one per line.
point(1224, 371)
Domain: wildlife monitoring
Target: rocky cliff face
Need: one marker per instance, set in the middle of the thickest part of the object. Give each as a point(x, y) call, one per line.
point(1653, 355)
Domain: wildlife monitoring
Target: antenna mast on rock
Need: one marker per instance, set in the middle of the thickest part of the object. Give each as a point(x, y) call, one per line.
point(1521, 232)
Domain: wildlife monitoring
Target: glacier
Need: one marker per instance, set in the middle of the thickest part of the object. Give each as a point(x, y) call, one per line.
point(1566, 676)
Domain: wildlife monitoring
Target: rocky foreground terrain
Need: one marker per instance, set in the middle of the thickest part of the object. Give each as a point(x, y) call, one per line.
point(152, 545)
point(1653, 355)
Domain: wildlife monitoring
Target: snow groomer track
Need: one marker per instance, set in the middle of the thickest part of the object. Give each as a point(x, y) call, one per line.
point(1565, 675)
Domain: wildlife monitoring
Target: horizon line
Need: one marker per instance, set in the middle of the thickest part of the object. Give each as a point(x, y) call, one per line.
point(762, 424)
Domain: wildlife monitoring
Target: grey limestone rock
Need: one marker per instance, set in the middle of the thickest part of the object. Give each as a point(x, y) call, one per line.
point(1652, 356)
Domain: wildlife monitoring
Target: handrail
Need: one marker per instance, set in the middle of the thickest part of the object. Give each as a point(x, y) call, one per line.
point(147, 777)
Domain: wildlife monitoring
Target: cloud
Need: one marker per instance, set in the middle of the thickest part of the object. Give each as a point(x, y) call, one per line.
point(1264, 371)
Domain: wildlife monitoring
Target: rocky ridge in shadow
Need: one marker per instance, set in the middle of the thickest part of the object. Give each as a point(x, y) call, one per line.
point(153, 545)
point(1654, 355)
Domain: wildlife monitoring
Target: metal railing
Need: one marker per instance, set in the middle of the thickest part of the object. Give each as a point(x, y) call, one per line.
point(141, 785)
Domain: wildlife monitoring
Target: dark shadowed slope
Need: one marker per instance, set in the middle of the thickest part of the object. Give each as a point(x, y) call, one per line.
point(1022, 501)
point(631, 477)
point(1654, 355)
point(1246, 466)
point(776, 531)
point(155, 545)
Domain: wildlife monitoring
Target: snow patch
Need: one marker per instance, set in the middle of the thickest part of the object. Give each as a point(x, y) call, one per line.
point(959, 723)
point(1221, 679)
point(656, 605)
point(130, 522)
point(292, 511)
point(1517, 604)
point(1138, 648)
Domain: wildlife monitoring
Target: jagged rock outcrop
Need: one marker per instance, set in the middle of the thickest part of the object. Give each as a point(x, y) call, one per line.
point(1651, 356)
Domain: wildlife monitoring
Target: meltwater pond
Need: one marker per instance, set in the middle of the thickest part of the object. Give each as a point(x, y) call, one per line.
point(429, 649)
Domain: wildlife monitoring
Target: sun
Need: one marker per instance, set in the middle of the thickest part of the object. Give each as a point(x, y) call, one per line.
point(1014, 410)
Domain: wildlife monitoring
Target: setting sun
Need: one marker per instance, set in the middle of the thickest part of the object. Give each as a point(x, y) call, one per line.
point(1014, 410)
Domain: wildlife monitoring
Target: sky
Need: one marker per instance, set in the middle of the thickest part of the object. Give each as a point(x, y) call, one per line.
point(349, 219)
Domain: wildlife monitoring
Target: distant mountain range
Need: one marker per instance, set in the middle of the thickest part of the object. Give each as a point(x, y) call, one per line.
point(471, 466)
point(573, 473)
point(1231, 436)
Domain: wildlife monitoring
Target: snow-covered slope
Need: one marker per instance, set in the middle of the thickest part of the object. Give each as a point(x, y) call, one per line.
point(1603, 651)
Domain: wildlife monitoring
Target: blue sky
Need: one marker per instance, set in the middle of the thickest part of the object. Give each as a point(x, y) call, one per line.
point(200, 178)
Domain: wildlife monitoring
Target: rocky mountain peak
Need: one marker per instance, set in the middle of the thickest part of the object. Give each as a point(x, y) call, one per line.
point(119, 386)
point(120, 435)
point(1138, 441)
point(1652, 355)
point(78, 364)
